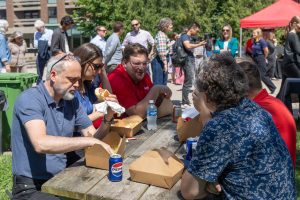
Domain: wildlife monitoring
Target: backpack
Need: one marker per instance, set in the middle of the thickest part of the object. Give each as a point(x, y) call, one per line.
point(179, 55)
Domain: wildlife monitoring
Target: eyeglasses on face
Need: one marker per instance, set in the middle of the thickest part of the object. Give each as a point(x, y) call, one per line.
point(135, 24)
point(96, 66)
point(137, 64)
point(225, 30)
point(65, 57)
point(103, 30)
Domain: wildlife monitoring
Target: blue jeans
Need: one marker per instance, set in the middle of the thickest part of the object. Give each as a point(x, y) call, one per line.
point(159, 77)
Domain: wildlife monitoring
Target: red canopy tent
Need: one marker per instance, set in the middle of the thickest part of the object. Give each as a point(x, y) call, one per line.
point(278, 14)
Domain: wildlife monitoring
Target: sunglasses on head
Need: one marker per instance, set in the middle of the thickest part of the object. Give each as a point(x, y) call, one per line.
point(97, 66)
point(65, 57)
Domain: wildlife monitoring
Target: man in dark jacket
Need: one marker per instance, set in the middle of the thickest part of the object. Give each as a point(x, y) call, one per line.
point(59, 42)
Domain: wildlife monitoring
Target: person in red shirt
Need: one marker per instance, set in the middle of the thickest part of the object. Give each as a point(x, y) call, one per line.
point(282, 117)
point(132, 85)
point(248, 47)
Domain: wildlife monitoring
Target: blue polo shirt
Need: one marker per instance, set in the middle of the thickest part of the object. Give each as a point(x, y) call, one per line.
point(258, 47)
point(60, 120)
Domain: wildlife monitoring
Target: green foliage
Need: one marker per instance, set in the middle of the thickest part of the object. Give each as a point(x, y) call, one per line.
point(212, 15)
point(5, 175)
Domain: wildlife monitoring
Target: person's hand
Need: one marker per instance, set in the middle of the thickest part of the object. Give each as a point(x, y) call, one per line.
point(110, 112)
point(104, 145)
point(202, 43)
point(102, 71)
point(112, 97)
point(166, 91)
point(165, 68)
point(214, 188)
point(267, 61)
point(7, 67)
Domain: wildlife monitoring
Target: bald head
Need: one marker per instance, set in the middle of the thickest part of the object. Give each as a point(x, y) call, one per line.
point(135, 24)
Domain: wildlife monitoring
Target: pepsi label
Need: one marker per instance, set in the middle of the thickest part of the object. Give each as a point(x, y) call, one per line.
point(116, 169)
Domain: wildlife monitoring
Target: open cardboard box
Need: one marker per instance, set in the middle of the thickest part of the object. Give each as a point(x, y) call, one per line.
point(151, 169)
point(97, 157)
point(186, 129)
point(128, 126)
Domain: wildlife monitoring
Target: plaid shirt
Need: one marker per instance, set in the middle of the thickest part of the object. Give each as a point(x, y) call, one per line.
point(162, 45)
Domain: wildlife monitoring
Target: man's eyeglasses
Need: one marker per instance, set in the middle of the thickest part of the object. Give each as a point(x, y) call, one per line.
point(65, 57)
point(134, 24)
point(225, 30)
point(97, 66)
point(103, 30)
point(137, 64)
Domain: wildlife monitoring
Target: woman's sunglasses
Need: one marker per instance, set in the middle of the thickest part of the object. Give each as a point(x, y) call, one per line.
point(97, 66)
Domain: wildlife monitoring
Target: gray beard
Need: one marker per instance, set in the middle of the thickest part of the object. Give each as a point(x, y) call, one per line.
point(68, 96)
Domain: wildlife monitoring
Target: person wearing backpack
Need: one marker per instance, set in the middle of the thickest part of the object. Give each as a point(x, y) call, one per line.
point(189, 64)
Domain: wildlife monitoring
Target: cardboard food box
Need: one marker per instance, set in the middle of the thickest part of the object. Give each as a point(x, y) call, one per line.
point(128, 126)
point(151, 169)
point(189, 128)
point(97, 157)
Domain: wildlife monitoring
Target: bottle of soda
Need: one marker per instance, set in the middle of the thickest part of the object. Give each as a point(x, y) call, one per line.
point(151, 116)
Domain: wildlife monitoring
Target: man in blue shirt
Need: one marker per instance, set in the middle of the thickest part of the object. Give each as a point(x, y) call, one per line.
point(239, 147)
point(99, 39)
point(42, 41)
point(44, 120)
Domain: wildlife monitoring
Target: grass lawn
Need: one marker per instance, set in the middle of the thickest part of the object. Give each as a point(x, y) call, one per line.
point(298, 160)
point(6, 176)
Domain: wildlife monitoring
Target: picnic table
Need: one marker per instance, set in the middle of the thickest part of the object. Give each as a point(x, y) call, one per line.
point(81, 182)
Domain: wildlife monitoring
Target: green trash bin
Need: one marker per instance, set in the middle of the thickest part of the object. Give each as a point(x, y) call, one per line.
point(13, 84)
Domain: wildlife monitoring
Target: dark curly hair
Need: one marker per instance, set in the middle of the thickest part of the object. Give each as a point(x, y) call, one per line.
point(223, 81)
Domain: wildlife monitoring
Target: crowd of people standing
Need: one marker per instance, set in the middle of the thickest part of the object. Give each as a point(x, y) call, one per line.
point(246, 141)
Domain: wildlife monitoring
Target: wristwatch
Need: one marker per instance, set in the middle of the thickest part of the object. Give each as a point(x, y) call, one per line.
point(109, 122)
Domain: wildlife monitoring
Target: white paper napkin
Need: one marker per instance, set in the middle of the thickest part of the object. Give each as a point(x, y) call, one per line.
point(102, 107)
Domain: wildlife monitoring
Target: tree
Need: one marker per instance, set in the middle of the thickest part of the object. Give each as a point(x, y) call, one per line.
point(92, 13)
point(212, 15)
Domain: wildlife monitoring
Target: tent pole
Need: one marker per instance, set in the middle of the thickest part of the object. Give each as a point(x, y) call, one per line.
point(241, 40)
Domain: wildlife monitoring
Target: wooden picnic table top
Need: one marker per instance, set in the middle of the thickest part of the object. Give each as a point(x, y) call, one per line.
point(81, 182)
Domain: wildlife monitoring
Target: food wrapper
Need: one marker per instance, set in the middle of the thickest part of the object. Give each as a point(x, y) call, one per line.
point(102, 107)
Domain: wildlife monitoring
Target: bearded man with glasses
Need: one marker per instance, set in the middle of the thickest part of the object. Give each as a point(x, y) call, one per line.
point(44, 120)
point(132, 85)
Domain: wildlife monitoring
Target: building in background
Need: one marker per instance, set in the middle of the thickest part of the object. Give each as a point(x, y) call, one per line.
point(21, 15)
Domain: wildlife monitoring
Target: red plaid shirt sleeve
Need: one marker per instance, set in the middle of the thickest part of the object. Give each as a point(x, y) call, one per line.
point(161, 41)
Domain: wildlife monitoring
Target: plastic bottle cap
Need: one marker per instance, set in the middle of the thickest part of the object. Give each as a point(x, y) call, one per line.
point(151, 101)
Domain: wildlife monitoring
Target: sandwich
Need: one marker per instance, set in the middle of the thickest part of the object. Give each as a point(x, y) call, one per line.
point(101, 94)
